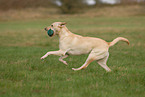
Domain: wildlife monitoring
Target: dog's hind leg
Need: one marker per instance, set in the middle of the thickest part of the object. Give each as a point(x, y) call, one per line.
point(98, 55)
point(88, 61)
point(61, 59)
point(102, 63)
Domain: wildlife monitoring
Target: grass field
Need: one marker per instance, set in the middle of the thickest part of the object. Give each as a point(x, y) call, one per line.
point(23, 74)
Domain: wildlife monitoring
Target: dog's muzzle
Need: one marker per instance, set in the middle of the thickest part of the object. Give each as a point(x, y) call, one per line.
point(50, 32)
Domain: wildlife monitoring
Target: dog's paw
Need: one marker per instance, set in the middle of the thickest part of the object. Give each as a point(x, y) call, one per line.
point(42, 58)
point(74, 69)
point(108, 70)
point(64, 62)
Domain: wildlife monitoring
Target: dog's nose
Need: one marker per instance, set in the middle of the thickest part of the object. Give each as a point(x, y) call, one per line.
point(45, 29)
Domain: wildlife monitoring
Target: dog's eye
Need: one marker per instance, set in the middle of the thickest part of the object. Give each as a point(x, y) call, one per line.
point(51, 25)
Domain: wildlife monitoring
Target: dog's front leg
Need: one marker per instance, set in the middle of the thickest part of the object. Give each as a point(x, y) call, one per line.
point(58, 53)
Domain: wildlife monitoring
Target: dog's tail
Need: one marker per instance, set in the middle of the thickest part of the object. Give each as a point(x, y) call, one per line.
point(118, 39)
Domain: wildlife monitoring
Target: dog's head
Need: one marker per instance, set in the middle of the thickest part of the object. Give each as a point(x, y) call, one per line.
point(55, 28)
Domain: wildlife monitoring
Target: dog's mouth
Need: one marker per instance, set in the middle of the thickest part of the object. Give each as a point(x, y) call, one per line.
point(50, 32)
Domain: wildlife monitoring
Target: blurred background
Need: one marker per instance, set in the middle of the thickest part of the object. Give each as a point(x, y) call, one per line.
point(21, 9)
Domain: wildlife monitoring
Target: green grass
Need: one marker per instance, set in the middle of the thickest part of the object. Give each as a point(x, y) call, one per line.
point(23, 74)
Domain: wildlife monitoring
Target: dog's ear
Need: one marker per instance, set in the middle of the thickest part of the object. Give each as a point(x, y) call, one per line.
point(62, 24)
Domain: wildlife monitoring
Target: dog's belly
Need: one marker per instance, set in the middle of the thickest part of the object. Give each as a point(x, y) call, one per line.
point(78, 51)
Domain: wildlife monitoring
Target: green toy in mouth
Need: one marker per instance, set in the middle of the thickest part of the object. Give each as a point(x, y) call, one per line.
point(50, 32)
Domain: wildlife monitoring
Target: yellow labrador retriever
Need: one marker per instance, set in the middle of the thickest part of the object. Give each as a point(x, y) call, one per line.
point(72, 44)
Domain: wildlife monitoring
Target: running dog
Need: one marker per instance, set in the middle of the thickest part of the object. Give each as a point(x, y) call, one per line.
point(72, 44)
